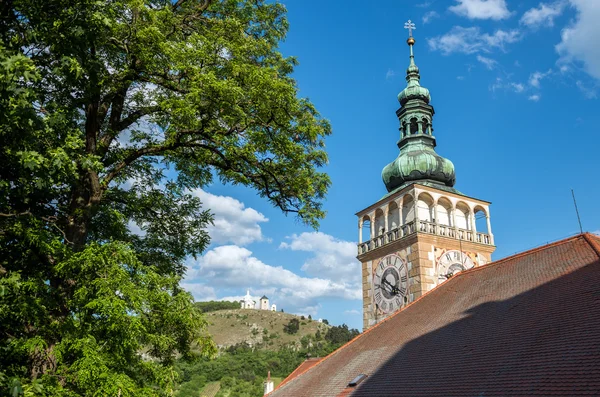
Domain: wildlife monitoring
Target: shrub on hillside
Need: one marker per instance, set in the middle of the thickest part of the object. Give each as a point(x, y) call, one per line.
point(292, 327)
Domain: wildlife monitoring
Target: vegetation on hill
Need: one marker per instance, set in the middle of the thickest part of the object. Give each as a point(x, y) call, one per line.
point(99, 99)
point(212, 306)
point(241, 369)
point(259, 328)
point(292, 326)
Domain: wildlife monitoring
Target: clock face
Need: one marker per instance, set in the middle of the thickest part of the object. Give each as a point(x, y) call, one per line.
point(452, 262)
point(390, 283)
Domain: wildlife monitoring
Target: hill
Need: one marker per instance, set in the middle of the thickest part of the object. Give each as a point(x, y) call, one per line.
point(259, 328)
point(253, 343)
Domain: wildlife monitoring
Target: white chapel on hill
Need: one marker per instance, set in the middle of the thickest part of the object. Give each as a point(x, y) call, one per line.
point(248, 303)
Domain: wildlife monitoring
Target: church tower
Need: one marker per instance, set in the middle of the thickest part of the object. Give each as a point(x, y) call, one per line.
point(423, 231)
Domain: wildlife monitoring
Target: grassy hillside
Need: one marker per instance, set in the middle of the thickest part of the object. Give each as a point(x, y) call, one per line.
point(254, 343)
point(259, 328)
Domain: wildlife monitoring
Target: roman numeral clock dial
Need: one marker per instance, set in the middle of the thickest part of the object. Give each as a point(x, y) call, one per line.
point(452, 262)
point(390, 283)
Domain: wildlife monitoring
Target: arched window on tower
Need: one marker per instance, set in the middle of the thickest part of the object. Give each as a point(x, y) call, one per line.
point(444, 212)
point(408, 209)
point(414, 127)
point(365, 231)
point(425, 207)
point(426, 125)
point(393, 216)
point(462, 214)
point(481, 225)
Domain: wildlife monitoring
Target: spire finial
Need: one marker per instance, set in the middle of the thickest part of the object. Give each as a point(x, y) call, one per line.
point(410, 25)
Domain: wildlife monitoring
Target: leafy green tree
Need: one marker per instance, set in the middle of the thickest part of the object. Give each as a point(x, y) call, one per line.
point(292, 326)
point(340, 334)
point(112, 114)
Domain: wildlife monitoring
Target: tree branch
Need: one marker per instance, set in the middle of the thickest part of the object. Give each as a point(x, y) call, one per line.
point(15, 215)
point(135, 116)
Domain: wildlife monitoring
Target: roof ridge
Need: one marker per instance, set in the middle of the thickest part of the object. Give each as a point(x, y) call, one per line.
point(520, 254)
point(591, 239)
point(498, 262)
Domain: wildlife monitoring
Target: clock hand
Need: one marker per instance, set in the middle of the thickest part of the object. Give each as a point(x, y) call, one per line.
point(384, 282)
point(387, 289)
point(394, 289)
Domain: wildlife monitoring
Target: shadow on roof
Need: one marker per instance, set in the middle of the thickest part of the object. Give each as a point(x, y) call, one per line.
point(542, 342)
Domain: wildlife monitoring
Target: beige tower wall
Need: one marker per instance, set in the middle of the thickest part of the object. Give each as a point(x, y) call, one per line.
point(421, 252)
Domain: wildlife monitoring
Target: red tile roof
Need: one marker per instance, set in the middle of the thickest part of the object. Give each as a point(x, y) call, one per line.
point(305, 366)
point(527, 325)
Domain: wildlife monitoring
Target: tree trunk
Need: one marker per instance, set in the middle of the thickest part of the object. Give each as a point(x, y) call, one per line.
point(87, 193)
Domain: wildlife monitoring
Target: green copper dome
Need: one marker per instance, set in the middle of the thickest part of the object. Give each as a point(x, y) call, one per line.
point(417, 160)
point(413, 89)
point(414, 92)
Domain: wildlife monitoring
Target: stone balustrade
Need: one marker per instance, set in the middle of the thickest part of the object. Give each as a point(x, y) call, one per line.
point(423, 227)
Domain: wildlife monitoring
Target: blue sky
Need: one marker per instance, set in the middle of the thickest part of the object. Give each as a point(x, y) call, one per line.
point(514, 85)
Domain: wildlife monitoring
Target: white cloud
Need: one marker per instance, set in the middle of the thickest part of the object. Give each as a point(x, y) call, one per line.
point(233, 222)
point(488, 62)
point(481, 9)
point(597, 232)
point(534, 79)
point(353, 312)
point(201, 292)
point(500, 84)
point(332, 258)
point(460, 77)
point(534, 97)
point(429, 15)
point(517, 87)
point(234, 268)
point(588, 91)
point(389, 74)
point(307, 310)
point(471, 40)
point(579, 42)
point(543, 15)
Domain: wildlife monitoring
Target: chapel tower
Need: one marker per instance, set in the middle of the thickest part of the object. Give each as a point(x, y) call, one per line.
point(423, 231)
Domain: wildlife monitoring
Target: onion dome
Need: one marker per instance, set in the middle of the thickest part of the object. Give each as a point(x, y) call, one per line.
point(417, 160)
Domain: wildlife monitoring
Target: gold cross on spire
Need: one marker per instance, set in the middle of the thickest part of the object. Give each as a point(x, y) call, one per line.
point(410, 26)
